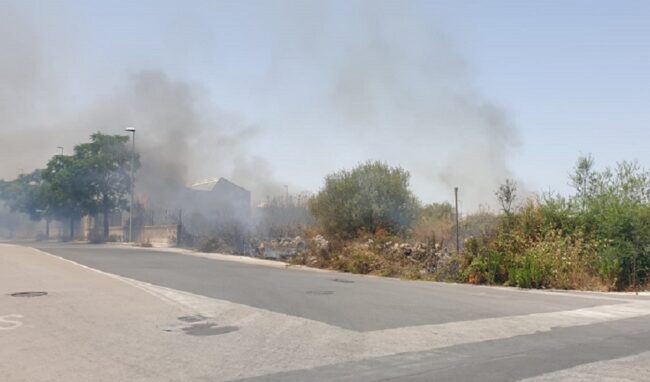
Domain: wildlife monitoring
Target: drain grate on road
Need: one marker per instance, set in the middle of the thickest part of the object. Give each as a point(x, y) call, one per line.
point(28, 294)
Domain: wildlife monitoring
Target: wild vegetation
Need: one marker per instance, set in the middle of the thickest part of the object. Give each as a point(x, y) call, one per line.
point(598, 238)
point(367, 220)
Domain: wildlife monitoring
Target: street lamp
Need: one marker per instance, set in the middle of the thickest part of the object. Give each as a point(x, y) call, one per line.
point(132, 131)
point(457, 226)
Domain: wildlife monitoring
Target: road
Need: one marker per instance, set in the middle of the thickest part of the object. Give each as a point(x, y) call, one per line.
point(118, 313)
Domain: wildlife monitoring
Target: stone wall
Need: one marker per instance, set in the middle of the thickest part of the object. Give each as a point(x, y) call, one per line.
point(118, 233)
point(158, 235)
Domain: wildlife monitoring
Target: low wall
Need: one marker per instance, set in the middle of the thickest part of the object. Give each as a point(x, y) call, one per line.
point(158, 235)
point(117, 233)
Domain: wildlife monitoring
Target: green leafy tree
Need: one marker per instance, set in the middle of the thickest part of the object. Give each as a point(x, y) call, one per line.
point(26, 194)
point(65, 191)
point(586, 180)
point(617, 209)
point(95, 179)
point(371, 196)
point(104, 177)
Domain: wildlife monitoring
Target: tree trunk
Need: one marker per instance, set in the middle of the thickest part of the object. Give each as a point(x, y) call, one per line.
point(106, 216)
point(47, 229)
point(71, 227)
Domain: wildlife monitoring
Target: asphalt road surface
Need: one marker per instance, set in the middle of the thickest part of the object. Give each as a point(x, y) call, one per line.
point(141, 314)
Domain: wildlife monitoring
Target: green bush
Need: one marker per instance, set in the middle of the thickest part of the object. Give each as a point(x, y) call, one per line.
point(597, 239)
point(477, 271)
point(370, 197)
point(355, 260)
point(532, 271)
point(609, 266)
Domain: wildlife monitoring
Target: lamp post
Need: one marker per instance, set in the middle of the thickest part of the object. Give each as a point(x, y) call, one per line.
point(457, 226)
point(60, 148)
point(132, 131)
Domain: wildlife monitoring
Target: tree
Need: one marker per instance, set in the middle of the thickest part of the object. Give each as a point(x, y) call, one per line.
point(26, 194)
point(65, 191)
point(105, 164)
point(96, 178)
point(367, 198)
point(616, 208)
point(507, 194)
point(585, 180)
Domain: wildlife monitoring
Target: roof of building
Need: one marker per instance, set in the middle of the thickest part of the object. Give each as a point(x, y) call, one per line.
point(210, 183)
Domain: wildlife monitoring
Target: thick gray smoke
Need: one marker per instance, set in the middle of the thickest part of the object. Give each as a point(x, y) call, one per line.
point(181, 138)
point(391, 85)
point(409, 94)
point(346, 82)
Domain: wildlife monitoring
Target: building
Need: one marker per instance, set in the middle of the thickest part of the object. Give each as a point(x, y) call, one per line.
point(204, 208)
point(215, 203)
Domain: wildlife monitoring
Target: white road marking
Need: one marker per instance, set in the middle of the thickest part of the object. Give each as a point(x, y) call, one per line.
point(9, 322)
point(413, 338)
point(291, 343)
point(634, 368)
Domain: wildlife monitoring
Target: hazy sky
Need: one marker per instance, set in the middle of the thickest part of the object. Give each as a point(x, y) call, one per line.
point(457, 92)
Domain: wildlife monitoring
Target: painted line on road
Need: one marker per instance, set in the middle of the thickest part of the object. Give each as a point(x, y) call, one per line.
point(634, 368)
point(132, 282)
point(10, 322)
point(330, 340)
point(321, 344)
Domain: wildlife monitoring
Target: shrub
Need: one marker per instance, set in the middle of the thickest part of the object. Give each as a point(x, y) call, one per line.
point(370, 197)
point(609, 266)
point(356, 260)
point(483, 263)
point(532, 271)
point(557, 261)
point(450, 268)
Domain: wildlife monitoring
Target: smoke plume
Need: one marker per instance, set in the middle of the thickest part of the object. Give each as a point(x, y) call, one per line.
point(332, 84)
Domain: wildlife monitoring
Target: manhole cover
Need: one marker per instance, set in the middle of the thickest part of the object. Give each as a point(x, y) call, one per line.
point(320, 292)
point(28, 294)
point(342, 281)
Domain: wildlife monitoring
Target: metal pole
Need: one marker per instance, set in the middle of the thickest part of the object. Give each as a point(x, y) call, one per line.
point(457, 226)
point(179, 228)
point(634, 274)
point(132, 181)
